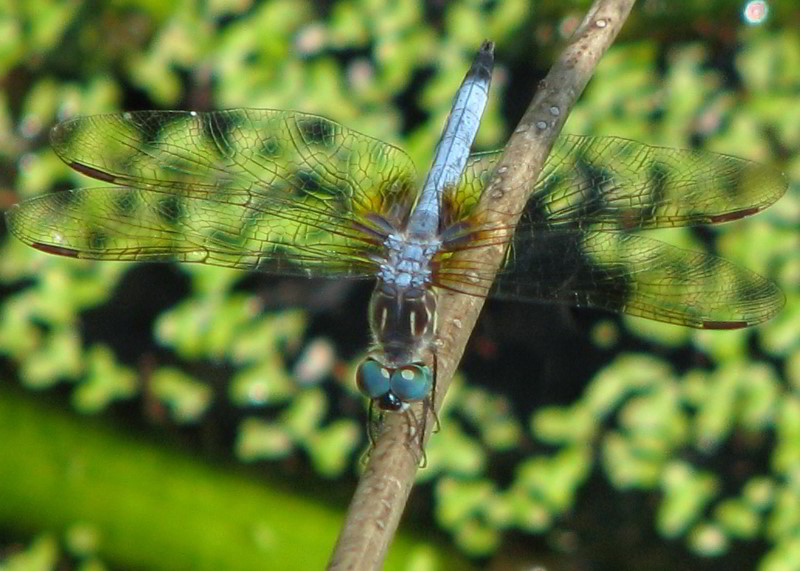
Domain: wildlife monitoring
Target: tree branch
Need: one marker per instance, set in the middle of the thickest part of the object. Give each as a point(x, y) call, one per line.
point(384, 487)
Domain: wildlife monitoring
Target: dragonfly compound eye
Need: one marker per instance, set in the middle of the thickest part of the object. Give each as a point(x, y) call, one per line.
point(372, 378)
point(411, 383)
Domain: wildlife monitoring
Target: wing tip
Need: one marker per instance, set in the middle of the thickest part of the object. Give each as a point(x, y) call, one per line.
point(744, 323)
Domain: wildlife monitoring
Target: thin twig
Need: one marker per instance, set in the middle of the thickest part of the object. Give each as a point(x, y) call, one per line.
point(384, 487)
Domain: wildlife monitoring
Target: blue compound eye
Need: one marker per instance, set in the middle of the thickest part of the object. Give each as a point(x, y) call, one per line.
point(372, 378)
point(411, 383)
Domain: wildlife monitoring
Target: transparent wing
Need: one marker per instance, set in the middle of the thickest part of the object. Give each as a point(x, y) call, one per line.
point(276, 191)
point(572, 244)
point(611, 183)
point(632, 274)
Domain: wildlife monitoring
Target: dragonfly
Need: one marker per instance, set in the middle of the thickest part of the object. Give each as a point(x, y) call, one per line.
point(294, 194)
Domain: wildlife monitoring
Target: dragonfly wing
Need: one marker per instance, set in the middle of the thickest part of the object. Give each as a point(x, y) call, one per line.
point(276, 191)
point(573, 245)
point(632, 274)
point(613, 183)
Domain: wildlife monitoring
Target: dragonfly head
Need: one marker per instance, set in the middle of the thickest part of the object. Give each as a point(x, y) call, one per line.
point(394, 388)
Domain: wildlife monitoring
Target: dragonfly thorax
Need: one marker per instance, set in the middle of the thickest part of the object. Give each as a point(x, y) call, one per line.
point(407, 261)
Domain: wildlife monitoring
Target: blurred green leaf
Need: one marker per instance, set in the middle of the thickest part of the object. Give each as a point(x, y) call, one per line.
point(258, 439)
point(737, 519)
point(687, 492)
point(42, 555)
point(105, 381)
point(57, 358)
point(332, 447)
point(186, 397)
point(708, 540)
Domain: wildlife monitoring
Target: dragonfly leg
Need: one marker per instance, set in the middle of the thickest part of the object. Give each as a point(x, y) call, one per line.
point(436, 426)
point(421, 426)
point(374, 422)
point(428, 405)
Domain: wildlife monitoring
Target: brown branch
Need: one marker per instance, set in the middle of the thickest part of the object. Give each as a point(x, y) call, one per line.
point(384, 487)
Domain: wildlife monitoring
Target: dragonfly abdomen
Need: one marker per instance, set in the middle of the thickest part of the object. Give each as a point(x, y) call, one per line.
point(453, 148)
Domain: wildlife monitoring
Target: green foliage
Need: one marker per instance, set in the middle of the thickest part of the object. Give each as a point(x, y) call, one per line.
point(186, 397)
point(42, 554)
point(641, 426)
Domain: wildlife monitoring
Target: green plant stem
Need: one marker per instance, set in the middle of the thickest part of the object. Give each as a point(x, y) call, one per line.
point(154, 507)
